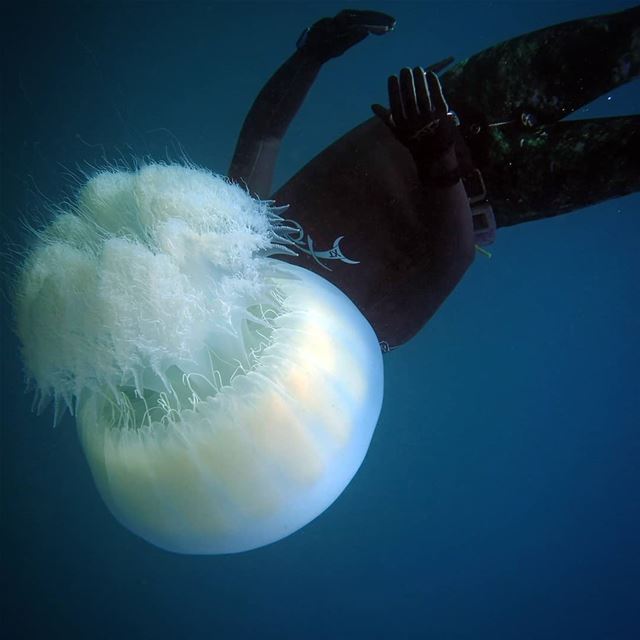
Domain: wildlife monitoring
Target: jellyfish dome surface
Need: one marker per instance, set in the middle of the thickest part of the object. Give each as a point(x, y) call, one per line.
point(223, 398)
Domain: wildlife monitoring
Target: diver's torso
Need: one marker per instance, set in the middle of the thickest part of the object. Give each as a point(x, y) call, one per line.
point(364, 188)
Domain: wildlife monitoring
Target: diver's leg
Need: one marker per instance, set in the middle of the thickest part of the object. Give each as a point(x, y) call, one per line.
point(533, 168)
point(257, 149)
point(562, 167)
point(548, 73)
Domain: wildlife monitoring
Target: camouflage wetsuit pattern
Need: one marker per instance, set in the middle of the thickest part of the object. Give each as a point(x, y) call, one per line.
point(544, 167)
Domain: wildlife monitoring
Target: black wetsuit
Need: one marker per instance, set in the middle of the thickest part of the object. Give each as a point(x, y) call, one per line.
point(365, 186)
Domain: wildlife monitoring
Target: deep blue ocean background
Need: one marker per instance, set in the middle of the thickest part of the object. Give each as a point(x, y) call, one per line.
point(501, 494)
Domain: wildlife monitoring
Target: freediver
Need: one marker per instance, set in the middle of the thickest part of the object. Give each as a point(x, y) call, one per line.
point(383, 213)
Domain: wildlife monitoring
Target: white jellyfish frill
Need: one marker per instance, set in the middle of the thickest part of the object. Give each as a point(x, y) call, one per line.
point(223, 398)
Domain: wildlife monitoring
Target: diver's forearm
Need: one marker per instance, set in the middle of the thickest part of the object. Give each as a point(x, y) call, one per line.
point(276, 105)
point(264, 127)
point(449, 218)
point(449, 241)
point(448, 246)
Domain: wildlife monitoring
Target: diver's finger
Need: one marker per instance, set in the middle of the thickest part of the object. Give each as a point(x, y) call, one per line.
point(439, 66)
point(422, 92)
point(438, 101)
point(408, 92)
point(374, 22)
point(383, 113)
point(395, 101)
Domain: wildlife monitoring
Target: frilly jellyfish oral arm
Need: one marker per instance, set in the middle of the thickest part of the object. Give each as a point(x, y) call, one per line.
point(223, 399)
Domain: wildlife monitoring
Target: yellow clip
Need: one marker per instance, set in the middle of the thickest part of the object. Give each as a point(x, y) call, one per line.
point(484, 252)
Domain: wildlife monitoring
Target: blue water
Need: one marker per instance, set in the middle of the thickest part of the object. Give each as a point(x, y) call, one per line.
point(500, 496)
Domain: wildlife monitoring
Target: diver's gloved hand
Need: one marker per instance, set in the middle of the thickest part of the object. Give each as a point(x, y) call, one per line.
point(420, 119)
point(331, 37)
point(437, 67)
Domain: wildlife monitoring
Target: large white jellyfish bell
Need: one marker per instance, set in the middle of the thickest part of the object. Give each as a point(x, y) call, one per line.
point(223, 398)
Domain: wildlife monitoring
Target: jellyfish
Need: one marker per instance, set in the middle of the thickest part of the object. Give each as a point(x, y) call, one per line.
point(223, 398)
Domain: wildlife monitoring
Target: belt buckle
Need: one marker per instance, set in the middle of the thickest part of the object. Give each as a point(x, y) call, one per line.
point(484, 224)
point(475, 187)
point(484, 220)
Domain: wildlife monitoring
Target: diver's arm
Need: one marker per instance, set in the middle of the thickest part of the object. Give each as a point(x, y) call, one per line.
point(420, 119)
point(256, 152)
point(444, 252)
point(257, 149)
point(449, 237)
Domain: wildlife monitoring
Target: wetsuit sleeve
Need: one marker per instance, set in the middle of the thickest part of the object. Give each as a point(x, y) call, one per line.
point(256, 152)
point(254, 160)
point(420, 119)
